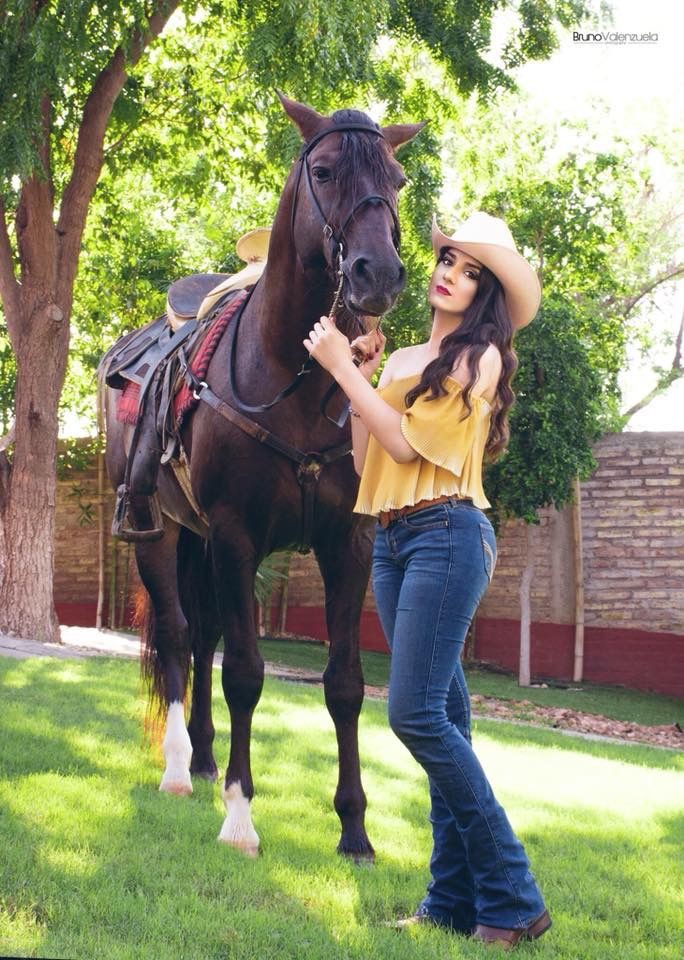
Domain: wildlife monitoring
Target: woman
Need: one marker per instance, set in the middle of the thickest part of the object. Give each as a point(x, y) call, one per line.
point(418, 443)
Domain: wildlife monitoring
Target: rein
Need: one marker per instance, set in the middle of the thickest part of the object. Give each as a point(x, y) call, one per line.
point(336, 241)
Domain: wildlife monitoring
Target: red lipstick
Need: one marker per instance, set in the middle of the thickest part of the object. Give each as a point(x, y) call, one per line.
point(442, 290)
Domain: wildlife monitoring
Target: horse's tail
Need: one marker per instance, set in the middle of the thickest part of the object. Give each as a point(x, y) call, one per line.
point(151, 670)
point(197, 599)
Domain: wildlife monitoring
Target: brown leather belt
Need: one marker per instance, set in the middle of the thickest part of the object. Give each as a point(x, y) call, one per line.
point(385, 517)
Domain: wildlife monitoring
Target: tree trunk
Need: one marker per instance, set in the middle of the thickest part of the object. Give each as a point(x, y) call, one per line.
point(37, 308)
point(27, 513)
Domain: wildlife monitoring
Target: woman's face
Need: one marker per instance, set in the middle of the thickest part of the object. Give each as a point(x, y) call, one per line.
point(454, 281)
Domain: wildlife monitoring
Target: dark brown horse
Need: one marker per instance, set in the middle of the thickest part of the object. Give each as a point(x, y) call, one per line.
point(338, 208)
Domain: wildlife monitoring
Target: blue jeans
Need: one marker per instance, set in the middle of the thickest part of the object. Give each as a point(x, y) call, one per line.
point(430, 571)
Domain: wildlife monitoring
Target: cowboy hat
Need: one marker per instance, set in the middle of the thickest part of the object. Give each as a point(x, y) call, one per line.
point(489, 240)
point(253, 245)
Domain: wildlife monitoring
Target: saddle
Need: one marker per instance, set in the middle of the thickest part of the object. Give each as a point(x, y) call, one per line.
point(197, 295)
point(185, 296)
point(149, 365)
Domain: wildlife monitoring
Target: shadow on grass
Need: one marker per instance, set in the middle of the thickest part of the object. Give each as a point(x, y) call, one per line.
point(157, 883)
point(55, 715)
point(99, 865)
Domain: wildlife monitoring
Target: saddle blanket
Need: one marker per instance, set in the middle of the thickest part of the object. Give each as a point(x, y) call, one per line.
point(128, 406)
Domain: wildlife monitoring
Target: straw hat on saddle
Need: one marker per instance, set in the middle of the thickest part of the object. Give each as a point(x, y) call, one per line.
point(489, 240)
point(253, 246)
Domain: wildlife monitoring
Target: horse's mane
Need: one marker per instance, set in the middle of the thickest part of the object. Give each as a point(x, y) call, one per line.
point(361, 152)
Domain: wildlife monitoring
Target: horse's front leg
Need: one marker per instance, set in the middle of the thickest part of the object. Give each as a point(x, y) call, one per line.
point(243, 678)
point(344, 561)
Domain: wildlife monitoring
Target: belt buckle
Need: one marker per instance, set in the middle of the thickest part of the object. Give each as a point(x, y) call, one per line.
point(385, 517)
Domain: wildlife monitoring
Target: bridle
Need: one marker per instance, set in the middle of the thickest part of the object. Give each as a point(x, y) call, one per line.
point(336, 239)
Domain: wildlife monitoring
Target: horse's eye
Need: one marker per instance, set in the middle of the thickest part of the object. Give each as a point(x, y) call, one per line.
point(321, 174)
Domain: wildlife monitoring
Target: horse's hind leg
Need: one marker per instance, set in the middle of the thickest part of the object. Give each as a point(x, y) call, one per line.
point(198, 600)
point(243, 678)
point(344, 561)
point(167, 653)
point(201, 726)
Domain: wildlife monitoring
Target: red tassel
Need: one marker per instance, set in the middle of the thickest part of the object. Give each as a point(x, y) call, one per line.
point(128, 407)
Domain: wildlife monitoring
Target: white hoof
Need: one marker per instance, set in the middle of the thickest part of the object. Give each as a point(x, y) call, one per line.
point(177, 754)
point(238, 830)
point(176, 782)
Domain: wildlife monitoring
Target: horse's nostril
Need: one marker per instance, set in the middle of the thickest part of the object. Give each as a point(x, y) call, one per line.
point(360, 269)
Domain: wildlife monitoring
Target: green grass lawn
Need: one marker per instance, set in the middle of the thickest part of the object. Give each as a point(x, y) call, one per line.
point(96, 863)
point(614, 702)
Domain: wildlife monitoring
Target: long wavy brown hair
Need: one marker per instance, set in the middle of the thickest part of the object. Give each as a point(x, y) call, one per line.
point(485, 321)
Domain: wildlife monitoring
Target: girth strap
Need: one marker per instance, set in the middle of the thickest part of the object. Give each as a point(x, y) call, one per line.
point(310, 464)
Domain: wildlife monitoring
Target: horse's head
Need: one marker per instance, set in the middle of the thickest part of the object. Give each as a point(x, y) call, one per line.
point(343, 202)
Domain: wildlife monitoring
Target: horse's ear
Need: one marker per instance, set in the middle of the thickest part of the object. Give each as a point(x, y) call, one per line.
point(304, 118)
point(397, 134)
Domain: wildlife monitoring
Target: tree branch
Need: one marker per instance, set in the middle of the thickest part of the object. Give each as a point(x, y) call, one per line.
point(5, 464)
point(34, 217)
point(89, 154)
point(662, 385)
point(631, 302)
point(9, 437)
point(677, 360)
point(9, 288)
point(163, 110)
point(674, 373)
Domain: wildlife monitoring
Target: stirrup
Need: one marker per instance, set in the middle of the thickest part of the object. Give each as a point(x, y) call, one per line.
point(121, 522)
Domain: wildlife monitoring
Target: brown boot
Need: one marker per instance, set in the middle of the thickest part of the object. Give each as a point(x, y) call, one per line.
point(507, 939)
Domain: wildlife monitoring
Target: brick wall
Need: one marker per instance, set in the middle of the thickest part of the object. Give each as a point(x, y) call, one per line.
point(633, 550)
point(77, 555)
point(633, 522)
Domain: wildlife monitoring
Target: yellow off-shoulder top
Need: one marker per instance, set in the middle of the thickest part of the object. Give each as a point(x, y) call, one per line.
point(450, 451)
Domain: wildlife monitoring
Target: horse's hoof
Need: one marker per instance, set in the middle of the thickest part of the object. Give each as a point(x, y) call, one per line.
point(203, 765)
point(205, 775)
point(210, 775)
point(366, 859)
point(361, 851)
point(177, 789)
point(179, 786)
point(250, 850)
point(177, 754)
point(238, 830)
point(362, 859)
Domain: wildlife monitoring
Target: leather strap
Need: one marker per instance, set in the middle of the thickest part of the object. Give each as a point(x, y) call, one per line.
point(310, 464)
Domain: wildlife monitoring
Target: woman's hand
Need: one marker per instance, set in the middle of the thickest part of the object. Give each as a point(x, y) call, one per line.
point(369, 349)
point(328, 346)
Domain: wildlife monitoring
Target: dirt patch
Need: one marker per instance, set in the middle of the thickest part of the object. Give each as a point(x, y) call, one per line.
point(563, 718)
